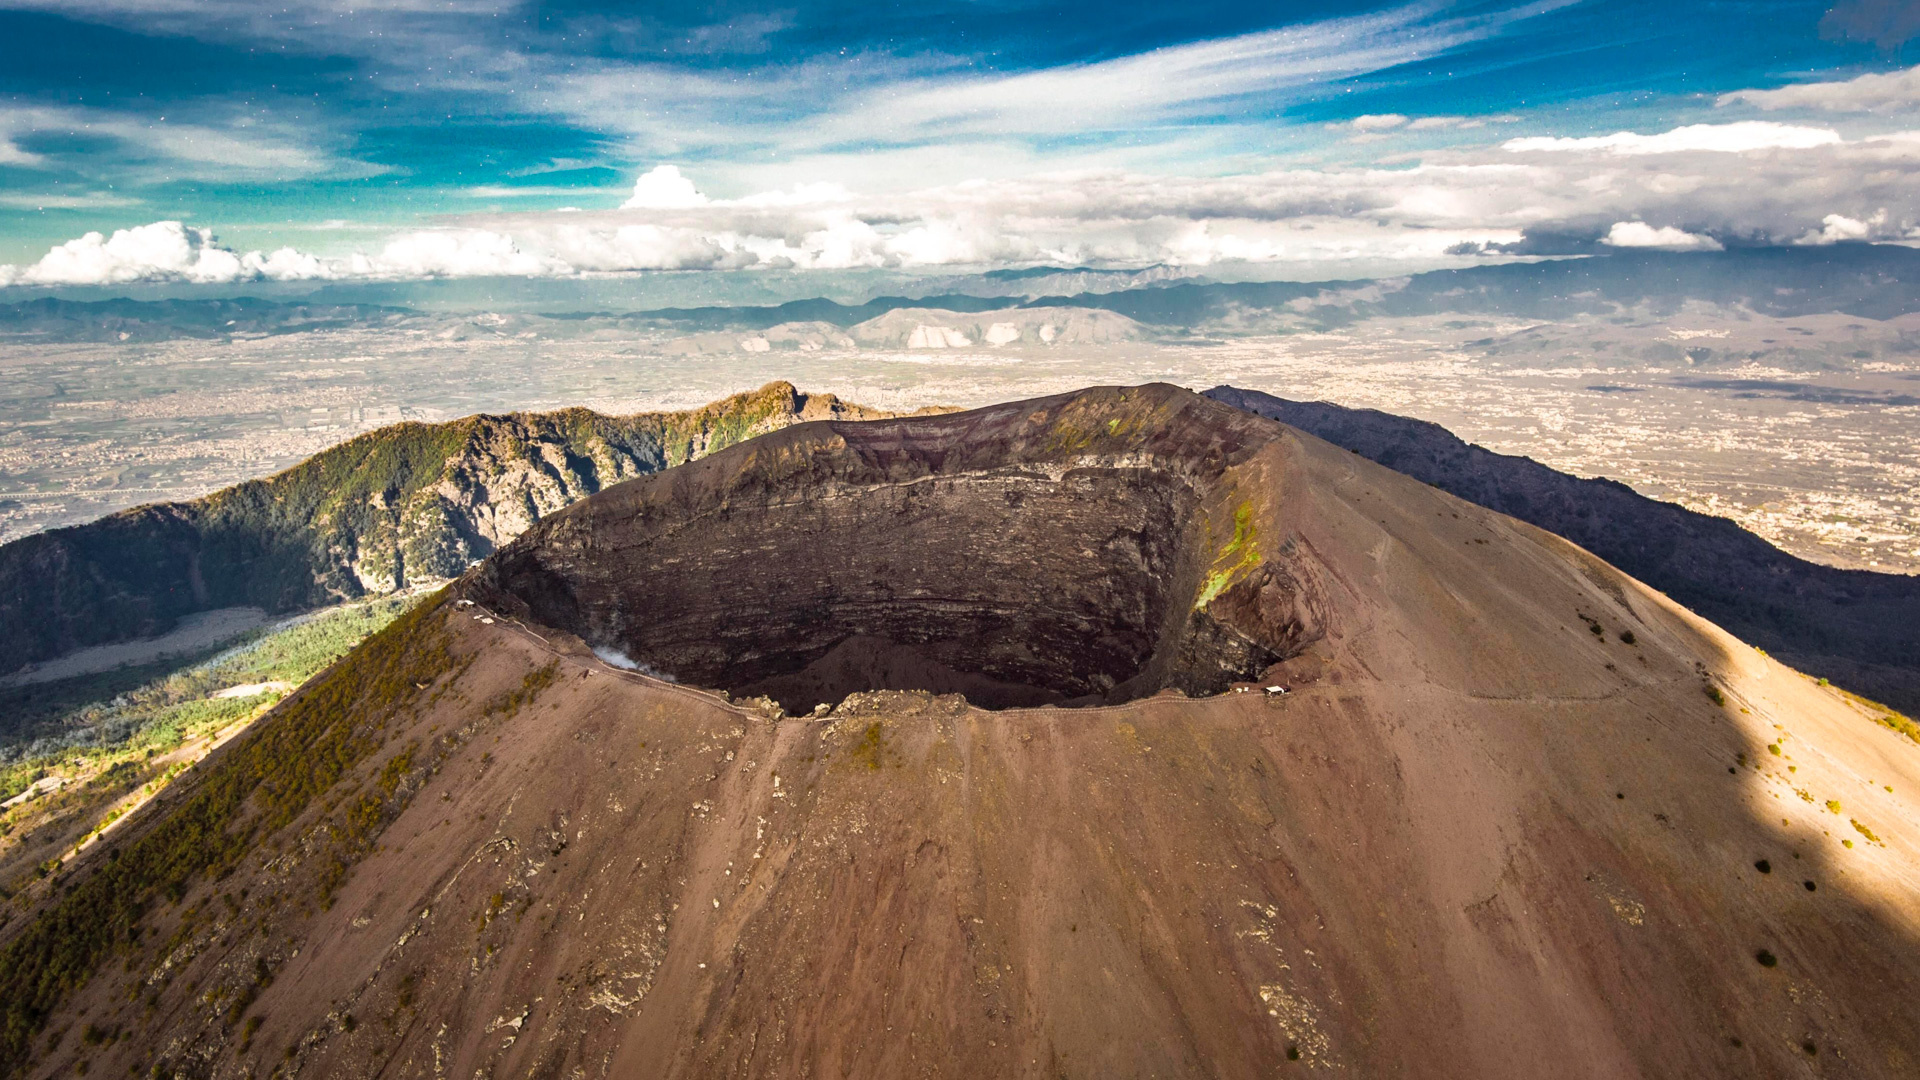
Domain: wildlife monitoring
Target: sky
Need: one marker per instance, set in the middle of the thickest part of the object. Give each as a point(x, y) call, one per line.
point(229, 142)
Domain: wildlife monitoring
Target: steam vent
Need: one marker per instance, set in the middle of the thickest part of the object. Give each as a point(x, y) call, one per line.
point(953, 746)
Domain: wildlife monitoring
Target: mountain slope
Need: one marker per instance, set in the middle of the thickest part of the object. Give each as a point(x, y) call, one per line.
point(411, 501)
point(1477, 840)
point(1856, 627)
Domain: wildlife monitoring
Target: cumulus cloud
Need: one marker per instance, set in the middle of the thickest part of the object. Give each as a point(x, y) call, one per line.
point(1736, 138)
point(1894, 92)
point(1638, 234)
point(162, 251)
point(454, 253)
point(170, 251)
point(663, 188)
point(1835, 228)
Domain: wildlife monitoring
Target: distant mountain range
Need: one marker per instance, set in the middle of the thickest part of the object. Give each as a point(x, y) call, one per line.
point(52, 320)
point(411, 501)
point(1873, 281)
point(1856, 627)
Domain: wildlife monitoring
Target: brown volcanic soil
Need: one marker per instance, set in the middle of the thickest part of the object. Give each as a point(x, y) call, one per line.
point(1476, 840)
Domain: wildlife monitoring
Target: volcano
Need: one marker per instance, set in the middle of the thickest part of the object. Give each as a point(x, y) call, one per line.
point(1114, 734)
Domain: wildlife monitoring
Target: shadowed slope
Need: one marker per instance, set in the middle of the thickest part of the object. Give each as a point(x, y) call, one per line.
point(1520, 816)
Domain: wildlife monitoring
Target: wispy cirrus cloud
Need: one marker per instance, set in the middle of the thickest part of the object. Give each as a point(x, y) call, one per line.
point(1892, 92)
point(855, 105)
point(220, 144)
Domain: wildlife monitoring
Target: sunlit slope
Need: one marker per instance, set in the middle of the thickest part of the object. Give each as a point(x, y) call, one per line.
point(1479, 838)
point(1860, 628)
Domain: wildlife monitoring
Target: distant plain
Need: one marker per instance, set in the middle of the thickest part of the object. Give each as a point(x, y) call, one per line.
point(1804, 430)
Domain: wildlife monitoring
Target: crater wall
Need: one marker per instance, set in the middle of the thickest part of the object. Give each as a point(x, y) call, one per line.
point(1072, 553)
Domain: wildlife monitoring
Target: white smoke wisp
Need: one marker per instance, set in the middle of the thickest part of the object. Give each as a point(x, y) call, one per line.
point(617, 658)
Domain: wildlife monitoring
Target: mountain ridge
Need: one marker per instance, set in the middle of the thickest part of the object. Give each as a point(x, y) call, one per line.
point(405, 502)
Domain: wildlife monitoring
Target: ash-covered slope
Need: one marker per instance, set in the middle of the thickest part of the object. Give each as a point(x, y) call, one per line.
point(1856, 627)
point(407, 502)
point(1520, 816)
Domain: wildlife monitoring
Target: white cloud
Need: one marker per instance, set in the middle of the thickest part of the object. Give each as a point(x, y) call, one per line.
point(92, 200)
point(169, 251)
point(1892, 92)
point(1638, 234)
point(1835, 228)
point(663, 188)
point(11, 154)
point(1424, 210)
point(849, 107)
point(454, 253)
point(1737, 138)
point(164, 250)
point(225, 146)
point(1378, 122)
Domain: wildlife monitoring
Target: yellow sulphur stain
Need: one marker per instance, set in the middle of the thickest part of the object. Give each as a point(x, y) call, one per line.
point(1241, 554)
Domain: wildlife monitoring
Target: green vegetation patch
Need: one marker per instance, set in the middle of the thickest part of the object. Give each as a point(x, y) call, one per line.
point(1901, 723)
point(133, 712)
point(872, 747)
point(266, 780)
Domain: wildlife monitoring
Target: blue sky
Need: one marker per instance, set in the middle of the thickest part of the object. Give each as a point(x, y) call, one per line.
point(426, 137)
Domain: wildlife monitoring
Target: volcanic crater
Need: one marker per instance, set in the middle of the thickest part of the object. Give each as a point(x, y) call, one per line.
point(1080, 550)
point(1511, 820)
